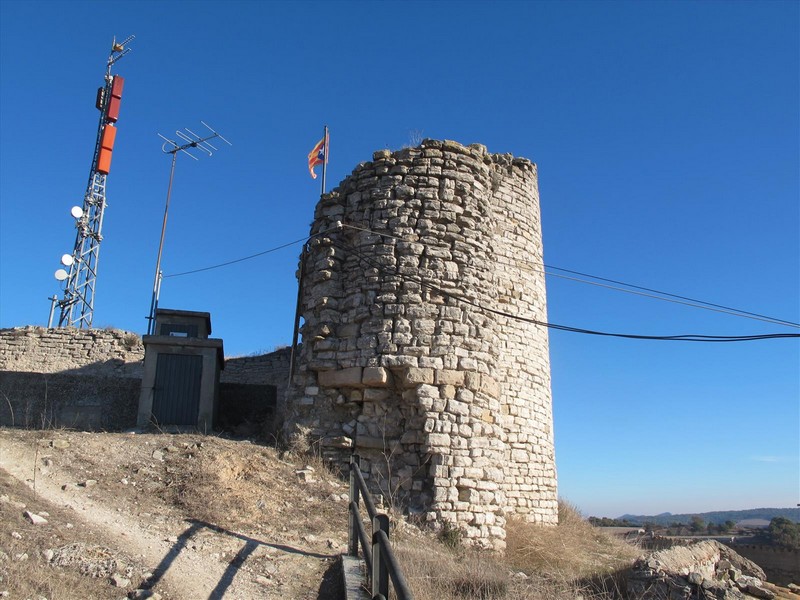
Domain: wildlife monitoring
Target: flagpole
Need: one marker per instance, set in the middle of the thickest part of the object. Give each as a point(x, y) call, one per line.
point(325, 159)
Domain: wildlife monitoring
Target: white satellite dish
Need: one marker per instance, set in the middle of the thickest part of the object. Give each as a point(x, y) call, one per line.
point(67, 260)
point(76, 212)
point(61, 274)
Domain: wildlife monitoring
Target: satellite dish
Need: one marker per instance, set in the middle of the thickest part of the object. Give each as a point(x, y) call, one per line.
point(76, 212)
point(61, 274)
point(67, 260)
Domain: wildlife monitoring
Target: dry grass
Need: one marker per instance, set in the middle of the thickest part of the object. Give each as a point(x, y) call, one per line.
point(235, 487)
point(435, 572)
point(573, 551)
point(542, 563)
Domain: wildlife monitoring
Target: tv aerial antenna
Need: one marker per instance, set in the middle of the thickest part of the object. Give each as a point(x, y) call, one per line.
point(189, 142)
point(79, 272)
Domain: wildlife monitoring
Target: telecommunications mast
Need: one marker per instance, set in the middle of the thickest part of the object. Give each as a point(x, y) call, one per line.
point(80, 267)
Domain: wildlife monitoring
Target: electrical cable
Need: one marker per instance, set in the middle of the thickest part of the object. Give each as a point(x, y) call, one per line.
point(703, 305)
point(460, 298)
point(638, 287)
point(238, 260)
point(684, 300)
point(693, 302)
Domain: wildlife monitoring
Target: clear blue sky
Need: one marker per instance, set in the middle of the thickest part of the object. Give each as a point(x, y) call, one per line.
point(666, 136)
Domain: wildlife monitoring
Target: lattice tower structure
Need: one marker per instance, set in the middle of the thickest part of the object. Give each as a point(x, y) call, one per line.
point(77, 303)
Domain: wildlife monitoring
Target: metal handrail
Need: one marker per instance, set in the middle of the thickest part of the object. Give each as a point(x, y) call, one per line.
point(380, 559)
point(362, 536)
point(399, 582)
point(355, 468)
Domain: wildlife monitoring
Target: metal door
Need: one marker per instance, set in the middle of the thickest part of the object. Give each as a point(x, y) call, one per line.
point(176, 394)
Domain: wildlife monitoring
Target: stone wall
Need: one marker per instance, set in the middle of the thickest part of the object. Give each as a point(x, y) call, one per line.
point(90, 379)
point(410, 356)
point(781, 565)
point(67, 377)
point(87, 402)
point(270, 369)
point(102, 352)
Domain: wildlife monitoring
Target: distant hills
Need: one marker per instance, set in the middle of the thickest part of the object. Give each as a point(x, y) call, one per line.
point(716, 517)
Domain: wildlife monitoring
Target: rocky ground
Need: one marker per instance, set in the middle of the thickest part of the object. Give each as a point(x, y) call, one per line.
point(134, 515)
point(142, 515)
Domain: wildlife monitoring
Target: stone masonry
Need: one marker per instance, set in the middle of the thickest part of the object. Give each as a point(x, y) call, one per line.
point(423, 283)
point(104, 352)
point(90, 378)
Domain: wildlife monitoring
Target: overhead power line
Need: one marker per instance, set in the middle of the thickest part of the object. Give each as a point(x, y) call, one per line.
point(689, 301)
point(464, 300)
point(238, 260)
point(656, 294)
point(694, 304)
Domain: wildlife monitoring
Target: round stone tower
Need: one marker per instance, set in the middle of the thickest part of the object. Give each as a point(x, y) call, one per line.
point(422, 286)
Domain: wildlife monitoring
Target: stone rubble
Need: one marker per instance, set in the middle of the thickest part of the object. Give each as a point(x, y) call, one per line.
point(34, 518)
point(703, 570)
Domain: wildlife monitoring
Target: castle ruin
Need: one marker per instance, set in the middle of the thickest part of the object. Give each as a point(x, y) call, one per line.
point(421, 289)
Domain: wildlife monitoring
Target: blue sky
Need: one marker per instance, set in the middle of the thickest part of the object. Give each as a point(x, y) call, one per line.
point(666, 136)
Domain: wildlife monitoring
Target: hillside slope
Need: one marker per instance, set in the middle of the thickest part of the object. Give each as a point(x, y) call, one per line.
point(185, 516)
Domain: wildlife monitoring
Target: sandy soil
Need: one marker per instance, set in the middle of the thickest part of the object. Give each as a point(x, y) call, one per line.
point(181, 516)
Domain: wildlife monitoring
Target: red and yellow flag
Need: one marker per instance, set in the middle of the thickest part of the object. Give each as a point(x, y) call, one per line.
point(318, 155)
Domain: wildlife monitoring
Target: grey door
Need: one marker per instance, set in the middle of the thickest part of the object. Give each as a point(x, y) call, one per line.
point(176, 396)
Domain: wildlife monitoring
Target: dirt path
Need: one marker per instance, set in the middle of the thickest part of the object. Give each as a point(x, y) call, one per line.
point(186, 558)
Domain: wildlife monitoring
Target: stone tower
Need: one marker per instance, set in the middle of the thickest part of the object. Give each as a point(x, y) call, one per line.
point(422, 286)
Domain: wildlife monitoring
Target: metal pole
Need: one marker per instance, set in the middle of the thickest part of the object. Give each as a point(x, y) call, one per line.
point(325, 160)
point(380, 572)
point(53, 302)
point(352, 546)
point(157, 280)
point(298, 306)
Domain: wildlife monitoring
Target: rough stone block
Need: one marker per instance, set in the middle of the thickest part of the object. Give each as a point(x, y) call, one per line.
point(350, 377)
point(413, 376)
point(365, 441)
point(449, 377)
point(376, 377)
point(375, 395)
point(489, 386)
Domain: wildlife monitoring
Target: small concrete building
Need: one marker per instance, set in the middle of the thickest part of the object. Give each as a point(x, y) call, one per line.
point(182, 364)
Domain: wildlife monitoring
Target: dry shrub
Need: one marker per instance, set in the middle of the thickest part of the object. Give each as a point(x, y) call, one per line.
point(435, 572)
point(574, 552)
point(572, 560)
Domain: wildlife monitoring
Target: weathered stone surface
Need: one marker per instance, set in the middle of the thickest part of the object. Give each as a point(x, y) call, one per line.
point(441, 381)
point(695, 572)
point(350, 377)
point(34, 518)
point(413, 376)
point(376, 377)
point(340, 441)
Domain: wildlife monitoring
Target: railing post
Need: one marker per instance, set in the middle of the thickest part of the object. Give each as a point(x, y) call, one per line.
point(352, 533)
point(380, 572)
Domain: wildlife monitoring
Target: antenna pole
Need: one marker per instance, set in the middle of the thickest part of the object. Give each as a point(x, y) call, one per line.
point(53, 302)
point(192, 141)
point(157, 279)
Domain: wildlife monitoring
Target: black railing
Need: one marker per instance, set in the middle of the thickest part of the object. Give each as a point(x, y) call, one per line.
point(381, 562)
